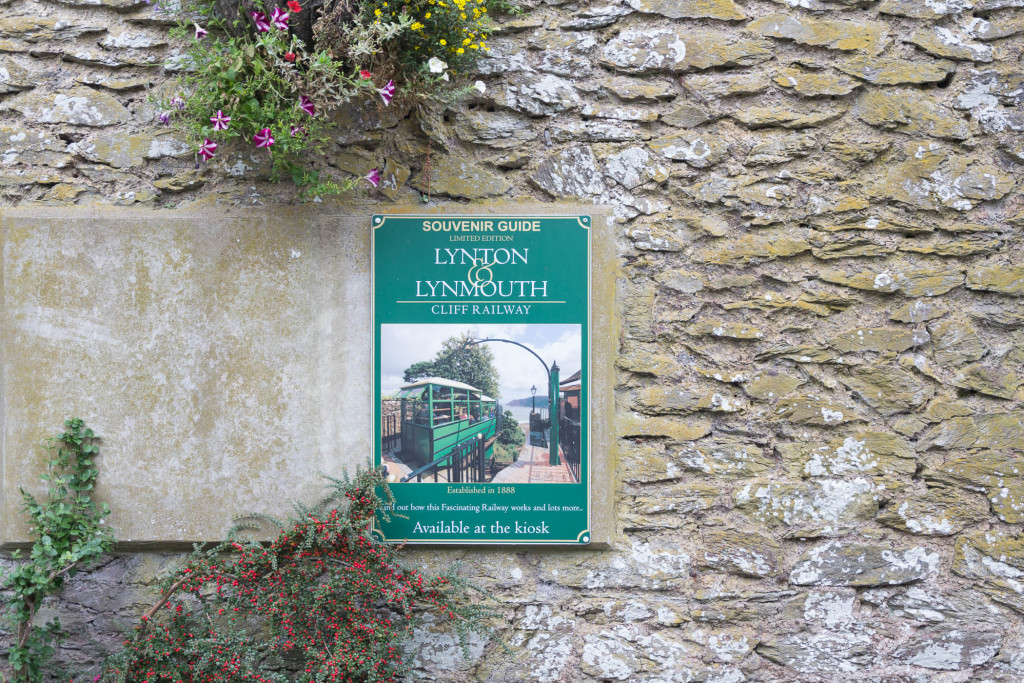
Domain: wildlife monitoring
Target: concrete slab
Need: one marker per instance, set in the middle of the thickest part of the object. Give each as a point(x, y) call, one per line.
point(222, 354)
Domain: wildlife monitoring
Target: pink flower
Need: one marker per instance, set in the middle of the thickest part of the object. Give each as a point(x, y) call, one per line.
point(263, 138)
point(306, 105)
point(261, 21)
point(200, 32)
point(373, 177)
point(365, 74)
point(164, 117)
point(207, 149)
point(297, 130)
point(178, 102)
point(220, 121)
point(280, 18)
point(294, 6)
point(387, 92)
point(289, 56)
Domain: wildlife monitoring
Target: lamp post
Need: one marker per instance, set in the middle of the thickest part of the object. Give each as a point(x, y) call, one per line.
point(533, 399)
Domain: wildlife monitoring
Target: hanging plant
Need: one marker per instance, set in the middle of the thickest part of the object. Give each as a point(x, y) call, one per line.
point(254, 74)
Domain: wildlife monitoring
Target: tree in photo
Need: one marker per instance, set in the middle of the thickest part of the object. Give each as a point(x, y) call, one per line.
point(473, 365)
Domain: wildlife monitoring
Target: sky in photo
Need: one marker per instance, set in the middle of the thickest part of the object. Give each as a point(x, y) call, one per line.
point(518, 370)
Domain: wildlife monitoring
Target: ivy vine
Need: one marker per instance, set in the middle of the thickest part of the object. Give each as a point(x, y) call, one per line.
point(69, 534)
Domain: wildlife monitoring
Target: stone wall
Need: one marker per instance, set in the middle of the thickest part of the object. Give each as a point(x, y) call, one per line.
point(820, 367)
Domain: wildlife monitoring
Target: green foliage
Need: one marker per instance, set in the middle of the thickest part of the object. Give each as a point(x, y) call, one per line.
point(454, 31)
point(69, 534)
point(255, 70)
point(260, 80)
point(473, 365)
point(510, 433)
point(505, 454)
point(323, 596)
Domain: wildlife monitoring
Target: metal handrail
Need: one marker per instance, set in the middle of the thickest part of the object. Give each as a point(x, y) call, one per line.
point(572, 431)
point(438, 461)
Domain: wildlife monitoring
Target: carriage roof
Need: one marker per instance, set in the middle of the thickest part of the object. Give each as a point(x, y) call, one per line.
point(441, 381)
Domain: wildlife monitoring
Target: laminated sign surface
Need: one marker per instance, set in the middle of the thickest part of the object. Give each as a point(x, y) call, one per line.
point(481, 377)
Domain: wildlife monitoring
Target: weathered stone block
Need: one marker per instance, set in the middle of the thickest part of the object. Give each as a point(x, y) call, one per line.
point(740, 553)
point(458, 177)
point(699, 151)
point(999, 476)
point(826, 652)
point(1005, 279)
point(639, 51)
point(908, 112)
point(816, 82)
point(864, 453)
point(781, 150)
point(890, 71)
point(841, 564)
point(724, 458)
point(932, 178)
point(77, 105)
point(690, 9)
point(570, 173)
point(955, 342)
point(942, 42)
point(991, 430)
point(862, 36)
point(39, 29)
point(786, 117)
point(714, 86)
point(934, 512)
point(951, 649)
point(821, 503)
point(887, 389)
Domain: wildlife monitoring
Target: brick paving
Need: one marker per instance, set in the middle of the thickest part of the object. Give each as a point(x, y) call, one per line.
point(532, 468)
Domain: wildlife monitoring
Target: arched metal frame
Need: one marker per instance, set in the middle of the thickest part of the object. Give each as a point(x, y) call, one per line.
point(553, 393)
point(474, 342)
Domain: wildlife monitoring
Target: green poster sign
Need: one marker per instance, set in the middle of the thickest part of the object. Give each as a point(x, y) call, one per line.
point(482, 371)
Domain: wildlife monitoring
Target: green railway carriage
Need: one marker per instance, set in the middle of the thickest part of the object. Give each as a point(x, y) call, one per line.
point(438, 413)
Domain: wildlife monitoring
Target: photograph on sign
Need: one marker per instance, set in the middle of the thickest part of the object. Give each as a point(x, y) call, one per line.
point(481, 352)
point(441, 386)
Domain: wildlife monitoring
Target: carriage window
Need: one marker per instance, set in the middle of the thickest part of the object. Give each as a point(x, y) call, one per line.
point(415, 411)
point(461, 395)
point(442, 412)
point(412, 392)
point(474, 411)
point(442, 393)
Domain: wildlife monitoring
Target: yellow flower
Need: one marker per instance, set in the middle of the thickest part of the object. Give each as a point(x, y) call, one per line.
point(427, 15)
point(472, 47)
point(443, 41)
point(416, 26)
point(467, 41)
point(462, 15)
point(376, 12)
point(459, 51)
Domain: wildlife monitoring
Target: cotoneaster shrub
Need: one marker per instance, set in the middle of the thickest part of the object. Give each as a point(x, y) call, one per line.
point(322, 603)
